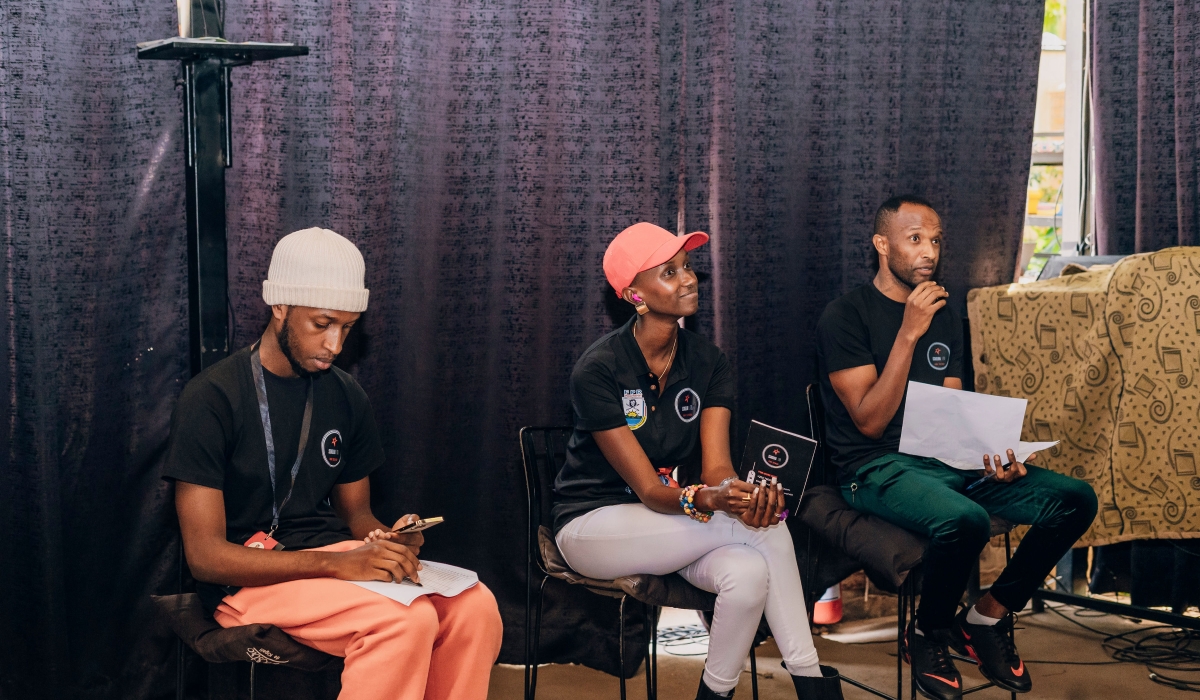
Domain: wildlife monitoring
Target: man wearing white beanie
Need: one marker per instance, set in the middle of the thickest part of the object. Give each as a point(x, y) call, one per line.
point(270, 451)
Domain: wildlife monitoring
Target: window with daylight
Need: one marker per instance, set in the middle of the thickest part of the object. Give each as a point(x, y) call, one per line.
point(1056, 211)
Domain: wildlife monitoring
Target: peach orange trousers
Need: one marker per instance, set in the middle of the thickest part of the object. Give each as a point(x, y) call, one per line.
point(435, 649)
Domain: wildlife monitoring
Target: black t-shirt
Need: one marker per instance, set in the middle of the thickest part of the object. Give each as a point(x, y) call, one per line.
point(217, 441)
point(859, 329)
point(611, 386)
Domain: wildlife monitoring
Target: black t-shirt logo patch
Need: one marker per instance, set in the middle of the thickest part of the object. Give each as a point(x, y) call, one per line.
point(938, 356)
point(687, 405)
point(775, 456)
point(331, 448)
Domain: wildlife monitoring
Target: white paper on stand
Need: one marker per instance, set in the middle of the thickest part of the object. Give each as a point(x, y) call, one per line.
point(436, 578)
point(960, 427)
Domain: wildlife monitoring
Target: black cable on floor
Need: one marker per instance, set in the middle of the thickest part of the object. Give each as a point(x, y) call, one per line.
point(1158, 648)
point(670, 637)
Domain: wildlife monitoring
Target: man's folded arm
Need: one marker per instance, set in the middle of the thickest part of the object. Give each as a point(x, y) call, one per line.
point(872, 399)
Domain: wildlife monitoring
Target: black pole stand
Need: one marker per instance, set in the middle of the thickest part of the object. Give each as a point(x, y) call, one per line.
point(208, 142)
point(207, 62)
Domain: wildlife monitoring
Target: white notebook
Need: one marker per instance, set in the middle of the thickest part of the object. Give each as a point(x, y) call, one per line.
point(436, 578)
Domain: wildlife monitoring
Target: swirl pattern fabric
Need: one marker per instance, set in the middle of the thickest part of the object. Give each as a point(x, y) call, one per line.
point(1108, 361)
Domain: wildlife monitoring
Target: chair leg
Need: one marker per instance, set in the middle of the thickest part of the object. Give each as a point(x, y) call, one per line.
point(812, 567)
point(179, 674)
point(528, 630)
point(649, 671)
point(621, 647)
point(753, 674)
point(654, 656)
point(179, 650)
point(901, 623)
point(912, 613)
point(654, 646)
point(537, 641)
point(1008, 558)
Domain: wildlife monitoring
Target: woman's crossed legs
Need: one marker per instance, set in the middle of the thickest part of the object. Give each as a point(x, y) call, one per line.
point(752, 571)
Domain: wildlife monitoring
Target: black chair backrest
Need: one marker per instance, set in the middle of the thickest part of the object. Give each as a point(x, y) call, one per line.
point(825, 472)
point(543, 452)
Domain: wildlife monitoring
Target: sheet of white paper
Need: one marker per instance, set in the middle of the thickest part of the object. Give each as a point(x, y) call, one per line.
point(1025, 449)
point(959, 427)
point(436, 578)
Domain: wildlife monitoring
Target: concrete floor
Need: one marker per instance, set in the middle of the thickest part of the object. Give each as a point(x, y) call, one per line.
point(1042, 637)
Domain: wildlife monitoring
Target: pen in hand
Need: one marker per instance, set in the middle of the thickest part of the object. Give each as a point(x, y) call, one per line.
point(990, 477)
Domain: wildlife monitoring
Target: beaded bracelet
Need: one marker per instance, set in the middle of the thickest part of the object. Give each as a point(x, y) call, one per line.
point(687, 500)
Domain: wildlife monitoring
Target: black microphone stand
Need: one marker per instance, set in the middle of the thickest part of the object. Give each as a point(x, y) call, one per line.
point(208, 135)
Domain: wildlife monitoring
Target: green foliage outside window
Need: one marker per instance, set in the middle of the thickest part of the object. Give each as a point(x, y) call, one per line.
point(1056, 18)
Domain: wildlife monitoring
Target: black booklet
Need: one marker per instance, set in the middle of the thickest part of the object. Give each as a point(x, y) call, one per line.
point(774, 455)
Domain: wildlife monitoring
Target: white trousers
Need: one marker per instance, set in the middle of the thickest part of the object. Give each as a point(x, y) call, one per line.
point(752, 572)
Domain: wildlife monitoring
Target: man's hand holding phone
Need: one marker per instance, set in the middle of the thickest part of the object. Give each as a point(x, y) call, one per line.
point(413, 538)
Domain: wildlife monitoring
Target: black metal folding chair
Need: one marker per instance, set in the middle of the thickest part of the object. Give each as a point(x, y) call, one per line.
point(543, 451)
point(257, 644)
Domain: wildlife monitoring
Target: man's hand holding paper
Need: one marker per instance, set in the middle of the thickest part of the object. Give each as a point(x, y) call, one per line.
point(966, 430)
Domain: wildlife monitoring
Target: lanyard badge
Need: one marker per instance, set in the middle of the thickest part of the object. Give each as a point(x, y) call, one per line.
point(262, 540)
point(260, 388)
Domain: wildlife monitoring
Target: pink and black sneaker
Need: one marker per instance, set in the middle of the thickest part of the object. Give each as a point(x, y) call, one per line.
point(932, 668)
point(992, 647)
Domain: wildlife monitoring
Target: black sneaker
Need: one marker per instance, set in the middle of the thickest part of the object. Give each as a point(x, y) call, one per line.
point(991, 646)
point(932, 668)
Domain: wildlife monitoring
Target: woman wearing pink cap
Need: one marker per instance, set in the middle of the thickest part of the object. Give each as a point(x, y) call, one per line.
point(650, 398)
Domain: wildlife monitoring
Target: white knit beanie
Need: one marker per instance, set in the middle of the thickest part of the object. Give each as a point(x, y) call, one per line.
point(316, 267)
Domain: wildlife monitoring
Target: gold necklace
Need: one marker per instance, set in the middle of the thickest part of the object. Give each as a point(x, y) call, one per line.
point(670, 358)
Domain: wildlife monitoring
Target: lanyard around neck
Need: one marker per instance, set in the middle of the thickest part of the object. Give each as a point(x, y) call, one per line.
point(260, 388)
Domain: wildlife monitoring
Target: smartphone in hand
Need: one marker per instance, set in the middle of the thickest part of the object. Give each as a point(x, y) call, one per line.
point(419, 525)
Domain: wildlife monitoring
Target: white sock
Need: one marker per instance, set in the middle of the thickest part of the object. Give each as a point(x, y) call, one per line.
point(918, 631)
point(812, 670)
point(975, 618)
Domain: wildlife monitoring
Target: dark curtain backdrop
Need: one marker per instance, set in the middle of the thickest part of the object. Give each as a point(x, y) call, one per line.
point(797, 119)
point(481, 155)
point(1146, 98)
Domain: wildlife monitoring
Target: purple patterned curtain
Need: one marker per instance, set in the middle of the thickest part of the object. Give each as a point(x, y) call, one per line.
point(481, 154)
point(1146, 98)
point(796, 120)
point(94, 343)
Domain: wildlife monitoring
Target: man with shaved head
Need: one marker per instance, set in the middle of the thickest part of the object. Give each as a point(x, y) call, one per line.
point(871, 343)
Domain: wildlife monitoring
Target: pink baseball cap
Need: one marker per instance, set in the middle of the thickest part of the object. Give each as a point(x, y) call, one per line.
point(641, 247)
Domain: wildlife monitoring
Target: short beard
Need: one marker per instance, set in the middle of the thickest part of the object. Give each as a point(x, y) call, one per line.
point(283, 337)
point(907, 276)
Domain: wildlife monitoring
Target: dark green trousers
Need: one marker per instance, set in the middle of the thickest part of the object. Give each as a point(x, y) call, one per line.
point(929, 498)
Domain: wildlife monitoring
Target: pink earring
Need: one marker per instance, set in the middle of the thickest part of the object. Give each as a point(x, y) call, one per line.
point(640, 305)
